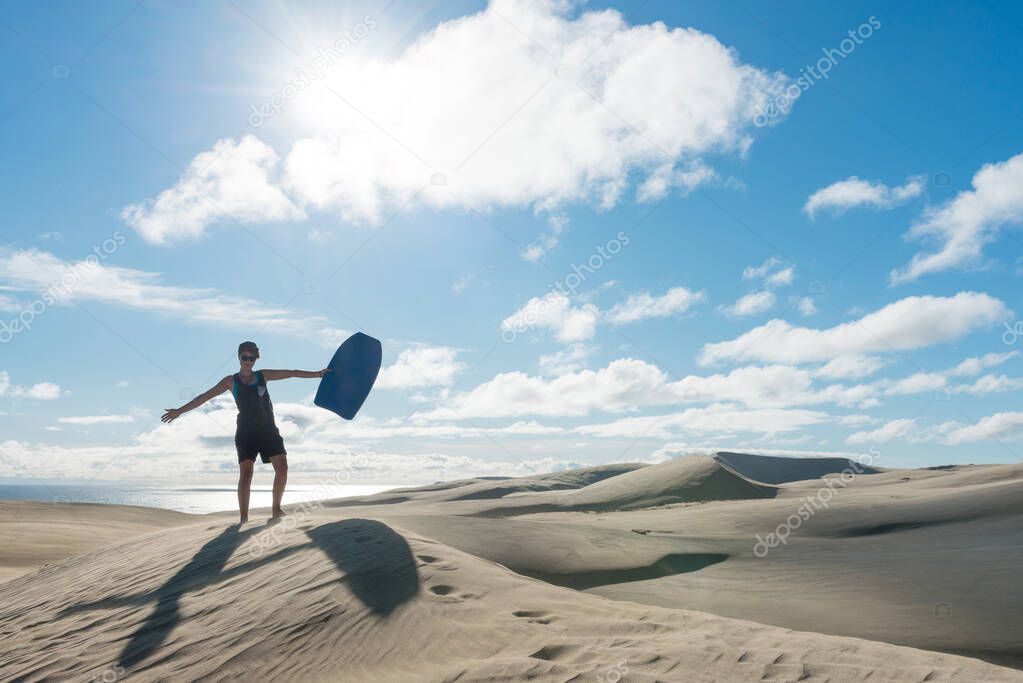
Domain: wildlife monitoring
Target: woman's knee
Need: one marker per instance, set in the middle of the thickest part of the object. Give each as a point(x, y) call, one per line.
point(245, 469)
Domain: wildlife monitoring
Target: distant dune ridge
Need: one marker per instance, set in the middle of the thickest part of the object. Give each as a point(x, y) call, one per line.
point(620, 572)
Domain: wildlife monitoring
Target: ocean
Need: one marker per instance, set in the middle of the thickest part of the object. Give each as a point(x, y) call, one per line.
point(193, 499)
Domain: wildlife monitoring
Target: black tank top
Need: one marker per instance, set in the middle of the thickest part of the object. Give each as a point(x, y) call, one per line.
point(255, 412)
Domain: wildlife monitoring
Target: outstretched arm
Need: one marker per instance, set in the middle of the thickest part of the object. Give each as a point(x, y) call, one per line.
point(221, 386)
point(269, 375)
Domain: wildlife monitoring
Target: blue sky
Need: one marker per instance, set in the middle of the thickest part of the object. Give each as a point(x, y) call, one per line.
point(835, 269)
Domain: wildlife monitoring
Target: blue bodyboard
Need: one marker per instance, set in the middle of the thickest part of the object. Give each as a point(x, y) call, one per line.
point(354, 369)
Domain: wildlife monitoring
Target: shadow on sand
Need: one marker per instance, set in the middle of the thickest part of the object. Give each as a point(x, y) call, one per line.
point(377, 562)
point(204, 568)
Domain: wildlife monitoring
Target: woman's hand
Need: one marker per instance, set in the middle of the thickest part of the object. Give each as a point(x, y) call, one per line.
point(171, 415)
point(324, 371)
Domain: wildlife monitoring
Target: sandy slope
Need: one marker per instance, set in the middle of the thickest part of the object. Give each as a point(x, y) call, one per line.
point(879, 561)
point(32, 534)
point(355, 599)
point(409, 585)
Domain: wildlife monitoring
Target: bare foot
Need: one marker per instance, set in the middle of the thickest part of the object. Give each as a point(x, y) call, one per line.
point(279, 513)
point(244, 519)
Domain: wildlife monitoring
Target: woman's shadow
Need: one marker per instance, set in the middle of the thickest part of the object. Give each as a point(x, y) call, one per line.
point(376, 562)
point(205, 567)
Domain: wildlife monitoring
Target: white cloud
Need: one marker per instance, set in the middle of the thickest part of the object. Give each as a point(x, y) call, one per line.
point(750, 304)
point(623, 384)
point(96, 419)
point(719, 419)
point(461, 284)
point(991, 384)
point(854, 192)
point(628, 384)
point(900, 429)
point(965, 224)
point(647, 101)
point(806, 306)
point(675, 301)
point(780, 278)
point(772, 276)
point(547, 241)
point(197, 446)
point(555, 312)
point(769, 386)
point(850, 367)
point(910, 323)
point(676, 449)
point(34, 270)
point(974, 366)
point(917, 383)
point(43, 391)
point(9, 305)
point(565, 361)
point(578, 323)
point(761, 271)
point(932, 381)
point(667, 176)
point(770, 272)
point(994, 426)
point(421, 366)
point(234, 180)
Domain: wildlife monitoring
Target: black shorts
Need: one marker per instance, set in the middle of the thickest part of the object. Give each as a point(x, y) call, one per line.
point(265, 443)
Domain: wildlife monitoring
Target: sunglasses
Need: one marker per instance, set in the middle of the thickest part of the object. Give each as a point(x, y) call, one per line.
point(249, 359)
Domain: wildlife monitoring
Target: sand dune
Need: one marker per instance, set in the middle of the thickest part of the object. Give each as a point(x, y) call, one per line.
point(637, 574)
point(32, 534)
point(360, 600)
point(691, 479)
point(779, 470)
point(499, 487)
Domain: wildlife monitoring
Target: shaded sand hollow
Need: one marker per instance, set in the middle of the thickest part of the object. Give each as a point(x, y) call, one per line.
point(624, 572)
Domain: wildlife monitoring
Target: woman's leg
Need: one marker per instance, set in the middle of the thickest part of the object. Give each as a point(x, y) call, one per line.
point(280, 463)
point(244, 483)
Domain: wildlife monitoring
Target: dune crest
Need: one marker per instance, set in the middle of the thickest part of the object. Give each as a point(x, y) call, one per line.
point(772, 469)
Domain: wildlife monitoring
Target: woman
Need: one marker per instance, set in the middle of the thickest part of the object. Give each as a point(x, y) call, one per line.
point(257, 432)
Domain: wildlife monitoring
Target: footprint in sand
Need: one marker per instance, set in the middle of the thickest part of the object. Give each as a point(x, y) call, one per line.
point(436, 564)
point(551, 653)
point(534, 616)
